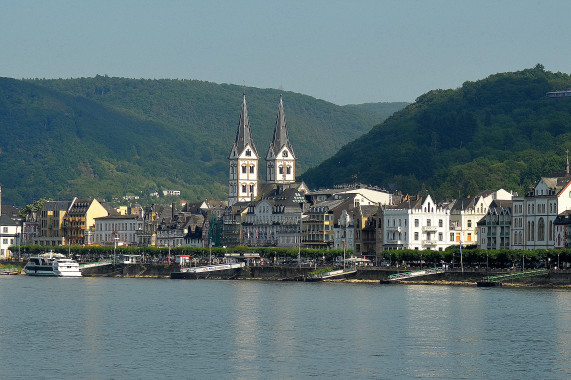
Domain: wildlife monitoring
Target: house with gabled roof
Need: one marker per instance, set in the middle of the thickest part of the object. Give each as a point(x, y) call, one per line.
point(464, 216)
point(417, 223)
point(494, 229)
point(79, 220)
point(534, 214)
point(10, 232)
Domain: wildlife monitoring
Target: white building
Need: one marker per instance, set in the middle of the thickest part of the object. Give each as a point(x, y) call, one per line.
point(122, 229)
point(464, 217)
point(534, 214)
point(10, 232)
point(343, 235)
point(370, 197)
point(417, 223)
point(175, 193)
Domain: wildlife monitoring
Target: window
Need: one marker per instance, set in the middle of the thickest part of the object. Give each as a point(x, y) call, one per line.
point(416, 236)
point(244, 169)
point(281, 170)
point(440, 223)
point(440, 236)
point(5, 229)
point(251, 188)
point(244, 189)
point(469, 223)
point(428, 222)
point(451, 236)
point(288, 170)
point(252, 169)
point(540, 230)
point(284, 153)
point(469, 236)
point(248, 153)
point(5, 241)
point(416, 222)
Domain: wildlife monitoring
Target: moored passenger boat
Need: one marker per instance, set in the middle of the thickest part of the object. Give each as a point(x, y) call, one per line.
point(52, 264)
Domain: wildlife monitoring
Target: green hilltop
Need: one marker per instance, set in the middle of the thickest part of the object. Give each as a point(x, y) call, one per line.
point(107, 137)
point(502, 131)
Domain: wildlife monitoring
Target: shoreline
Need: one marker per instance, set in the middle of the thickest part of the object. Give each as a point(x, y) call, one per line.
point(560, 279)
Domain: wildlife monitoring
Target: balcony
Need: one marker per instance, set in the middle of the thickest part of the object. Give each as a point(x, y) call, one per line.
point(429, 228)
point(393, 229)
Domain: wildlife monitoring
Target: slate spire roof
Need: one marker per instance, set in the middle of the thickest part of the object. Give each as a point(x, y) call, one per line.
point(244, 134)
point(281, 138)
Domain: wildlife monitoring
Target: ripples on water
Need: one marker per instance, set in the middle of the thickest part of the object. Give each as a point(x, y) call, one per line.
point(102, 328)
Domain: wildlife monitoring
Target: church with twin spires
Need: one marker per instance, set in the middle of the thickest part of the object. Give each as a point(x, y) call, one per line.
point(243, 183)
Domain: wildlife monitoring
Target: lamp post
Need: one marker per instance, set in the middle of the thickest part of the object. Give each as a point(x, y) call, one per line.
point(115, 238)
point(461, 258)
point(300, 235)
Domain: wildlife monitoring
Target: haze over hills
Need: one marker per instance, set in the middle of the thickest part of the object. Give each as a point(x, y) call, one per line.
point(107, 137)
point(501, 131)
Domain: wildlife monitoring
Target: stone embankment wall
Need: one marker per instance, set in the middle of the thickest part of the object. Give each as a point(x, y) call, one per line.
point(131, 270)
point(292, 273)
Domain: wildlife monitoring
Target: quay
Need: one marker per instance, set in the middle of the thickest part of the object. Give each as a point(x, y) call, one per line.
point(555, 278)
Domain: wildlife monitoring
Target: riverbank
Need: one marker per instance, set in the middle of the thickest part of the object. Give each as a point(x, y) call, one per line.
point(373, 275)
point(560, 278)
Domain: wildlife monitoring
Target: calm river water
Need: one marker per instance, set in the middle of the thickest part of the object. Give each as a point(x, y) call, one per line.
point(112, 328)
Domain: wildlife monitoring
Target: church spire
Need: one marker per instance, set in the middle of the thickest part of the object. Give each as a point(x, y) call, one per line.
point(280, 160)
point(244, 134)
point(243, 174)
point(281, 138)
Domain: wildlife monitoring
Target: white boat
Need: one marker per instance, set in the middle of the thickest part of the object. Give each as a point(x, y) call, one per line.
point(52, 264)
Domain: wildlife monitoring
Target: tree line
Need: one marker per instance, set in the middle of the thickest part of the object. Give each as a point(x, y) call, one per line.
point(451, 256)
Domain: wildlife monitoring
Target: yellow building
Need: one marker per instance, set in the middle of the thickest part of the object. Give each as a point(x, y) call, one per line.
point(79, 222)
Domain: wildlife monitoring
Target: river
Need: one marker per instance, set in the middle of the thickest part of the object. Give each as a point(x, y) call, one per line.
point(117, 328)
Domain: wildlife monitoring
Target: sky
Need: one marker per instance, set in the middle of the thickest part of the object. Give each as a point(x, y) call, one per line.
point(344, 52)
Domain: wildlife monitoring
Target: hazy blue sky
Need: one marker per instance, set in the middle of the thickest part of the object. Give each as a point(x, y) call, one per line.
point(342, 51)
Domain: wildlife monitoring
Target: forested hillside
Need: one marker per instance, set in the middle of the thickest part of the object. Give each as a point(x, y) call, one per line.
point(501, 131)
point(108, 137)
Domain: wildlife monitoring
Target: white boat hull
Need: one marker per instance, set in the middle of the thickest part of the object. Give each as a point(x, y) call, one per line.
point(52, 265)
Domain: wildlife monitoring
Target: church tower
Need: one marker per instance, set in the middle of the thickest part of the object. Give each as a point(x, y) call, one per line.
point(280, 160)
point(243, 176)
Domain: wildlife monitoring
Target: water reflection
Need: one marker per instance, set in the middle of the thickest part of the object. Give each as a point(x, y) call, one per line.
point(127, 328)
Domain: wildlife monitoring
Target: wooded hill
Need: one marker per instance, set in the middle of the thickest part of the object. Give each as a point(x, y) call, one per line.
point(108, 137)
point(501, 131)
